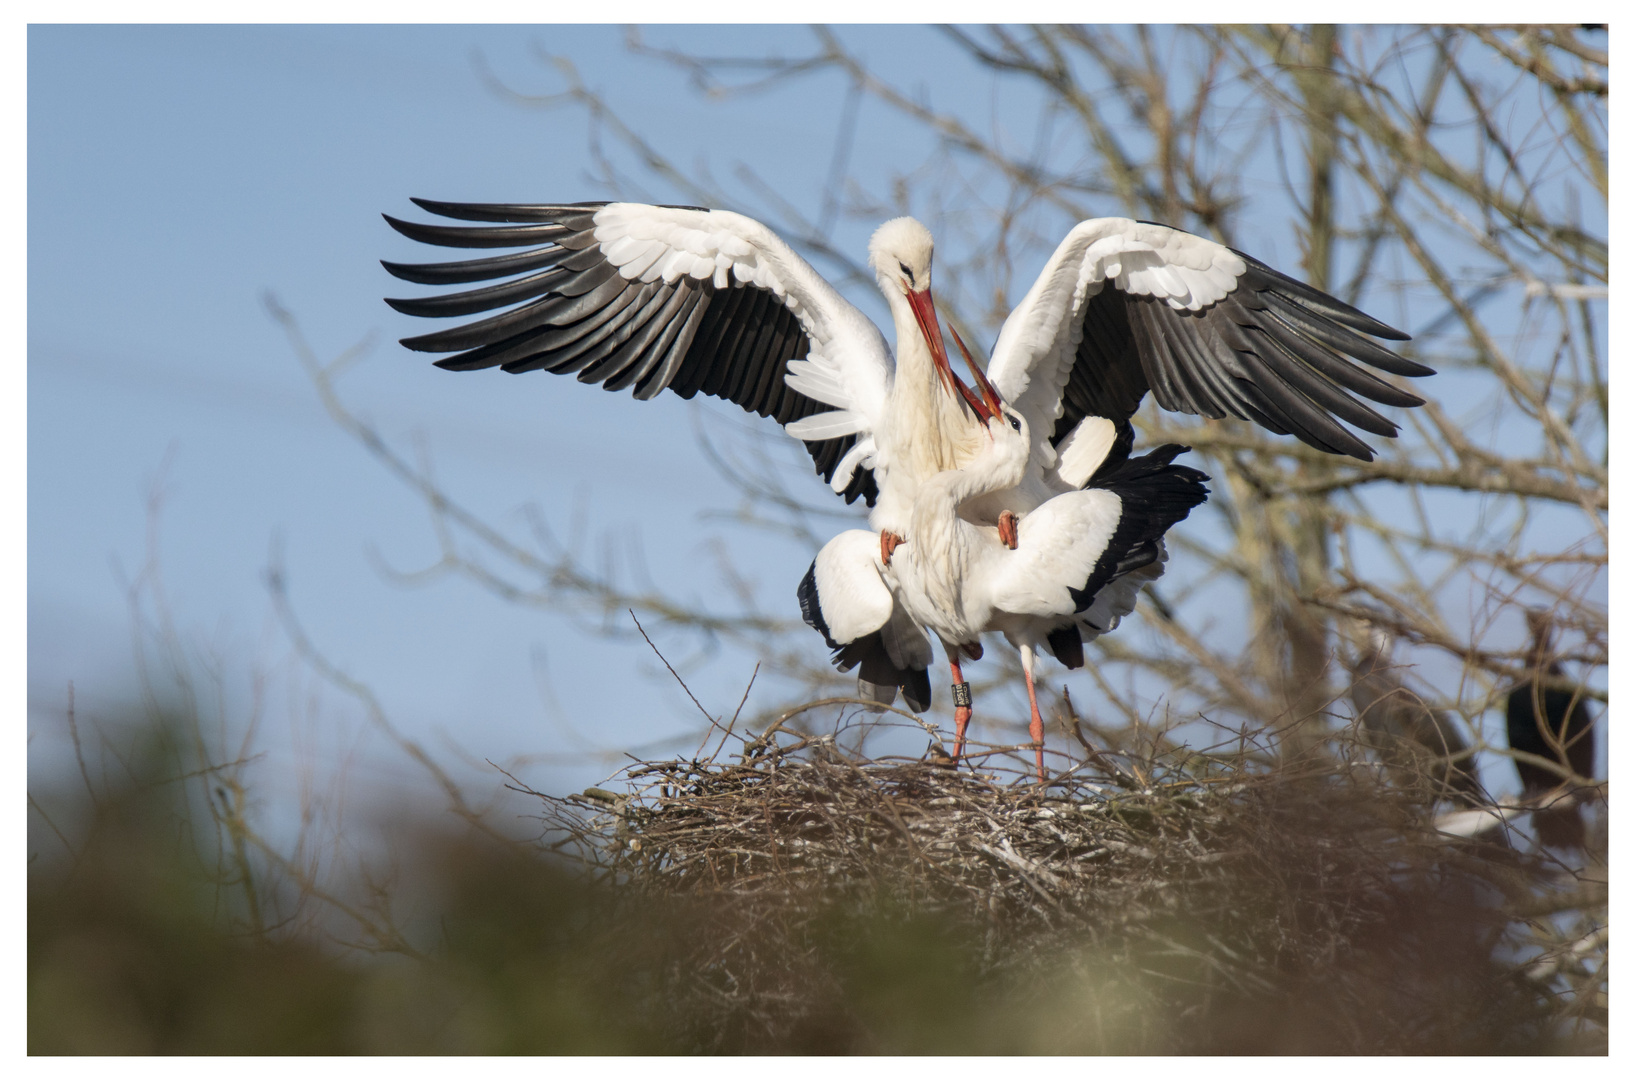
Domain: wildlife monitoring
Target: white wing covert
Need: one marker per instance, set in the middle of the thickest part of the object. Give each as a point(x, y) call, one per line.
point(1060, 543)
point(1126, 306)
point(1078, 550)
point(654, 297)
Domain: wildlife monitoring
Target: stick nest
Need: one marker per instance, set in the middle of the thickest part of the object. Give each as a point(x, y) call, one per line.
point(1171, 904)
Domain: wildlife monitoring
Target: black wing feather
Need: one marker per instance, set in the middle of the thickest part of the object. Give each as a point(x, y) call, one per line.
point(572, 215)
point(459, 273)
point(575, 313)
point(1275, 351)
point(586, 343)
point(460, 236)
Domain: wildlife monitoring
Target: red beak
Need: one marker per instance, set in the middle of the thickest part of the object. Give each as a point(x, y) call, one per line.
point(972, 401)
point(994, 402)
point(923, 309)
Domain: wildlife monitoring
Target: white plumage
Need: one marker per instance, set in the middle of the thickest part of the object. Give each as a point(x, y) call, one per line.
point(1084, 450)
point(655, 297)
point(844, 596)
point(1072, 570)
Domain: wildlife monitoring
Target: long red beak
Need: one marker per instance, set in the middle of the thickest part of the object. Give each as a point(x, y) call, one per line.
point(994, 402)
point(975, 404)
point(923, 309)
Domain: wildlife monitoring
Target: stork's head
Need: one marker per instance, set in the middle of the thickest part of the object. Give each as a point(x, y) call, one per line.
point(901, 253)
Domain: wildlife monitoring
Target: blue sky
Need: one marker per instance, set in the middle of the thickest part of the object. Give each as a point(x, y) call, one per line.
point(178, 173)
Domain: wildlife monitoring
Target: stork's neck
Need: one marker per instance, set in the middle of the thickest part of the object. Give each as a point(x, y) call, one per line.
point(994, 468)
point(930, 430)
point(945, 546)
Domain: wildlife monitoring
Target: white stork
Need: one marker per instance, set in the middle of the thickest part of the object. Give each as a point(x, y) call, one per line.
point(647, 297)
point(1051, 579)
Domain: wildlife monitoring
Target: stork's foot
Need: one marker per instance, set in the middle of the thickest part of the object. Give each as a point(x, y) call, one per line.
point(887, 543)
point(1008, 529)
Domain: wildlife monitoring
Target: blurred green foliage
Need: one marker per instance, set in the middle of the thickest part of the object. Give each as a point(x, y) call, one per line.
point(138, 943)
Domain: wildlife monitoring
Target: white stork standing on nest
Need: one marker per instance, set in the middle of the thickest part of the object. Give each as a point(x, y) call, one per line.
point(694, 300)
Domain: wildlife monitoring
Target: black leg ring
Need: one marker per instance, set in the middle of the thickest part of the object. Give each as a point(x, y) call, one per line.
point(960, 695)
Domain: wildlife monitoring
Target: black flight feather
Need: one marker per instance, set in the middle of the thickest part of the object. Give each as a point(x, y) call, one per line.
point(1275, 351)
point(573, 312)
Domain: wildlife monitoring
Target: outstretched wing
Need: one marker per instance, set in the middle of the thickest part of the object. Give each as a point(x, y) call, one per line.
point(1124, 307)
point(654, 297)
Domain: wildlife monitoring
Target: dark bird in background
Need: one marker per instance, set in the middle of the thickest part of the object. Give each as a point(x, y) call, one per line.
point(1413, 739)
point(1553, 723)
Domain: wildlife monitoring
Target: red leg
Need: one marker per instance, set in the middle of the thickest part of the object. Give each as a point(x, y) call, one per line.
point(1036, 713)
point(1008, 529)
point(887, 543)
point(960, 698)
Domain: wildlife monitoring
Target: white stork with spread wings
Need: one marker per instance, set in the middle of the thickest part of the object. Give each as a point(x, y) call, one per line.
point(1122, 308)
point(694, 300)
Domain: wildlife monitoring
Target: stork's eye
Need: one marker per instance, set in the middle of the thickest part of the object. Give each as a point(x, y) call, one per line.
point(1014, 422)
point(904, 270)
